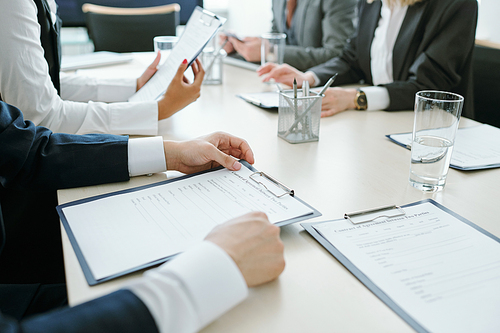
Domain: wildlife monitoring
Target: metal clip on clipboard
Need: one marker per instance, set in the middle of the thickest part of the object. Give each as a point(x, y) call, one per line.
point(373, 214)
point(207, 18)
point(285, 188)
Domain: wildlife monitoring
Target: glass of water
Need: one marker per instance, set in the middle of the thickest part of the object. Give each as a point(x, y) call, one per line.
point(437, 114)
point(272, 48)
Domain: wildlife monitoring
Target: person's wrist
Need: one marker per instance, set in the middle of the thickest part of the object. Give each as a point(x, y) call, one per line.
point(171, 151)
point(351, 97)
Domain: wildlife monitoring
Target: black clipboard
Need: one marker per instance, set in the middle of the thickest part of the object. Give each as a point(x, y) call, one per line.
point(309, 227)
point(79, 254)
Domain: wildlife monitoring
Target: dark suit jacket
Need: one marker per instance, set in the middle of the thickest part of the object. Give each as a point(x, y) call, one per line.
point(33, 158)
point(433, 51)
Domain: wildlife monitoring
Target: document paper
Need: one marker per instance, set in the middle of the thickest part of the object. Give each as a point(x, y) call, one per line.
point(124, 231)
point(475, 147)
point(200, 28)
point(441, 271)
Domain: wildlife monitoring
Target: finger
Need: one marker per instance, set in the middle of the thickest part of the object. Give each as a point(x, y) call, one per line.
point(194, 67)
point(243, 147)
point(328, 113)
point(266, 68)
point(224, 159)
point(180, 71)
point(198, 79)
point(155, 62)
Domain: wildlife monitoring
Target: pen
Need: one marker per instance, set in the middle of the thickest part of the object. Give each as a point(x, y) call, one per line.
point(294, 88)
point(299, 118)
point(305, 88)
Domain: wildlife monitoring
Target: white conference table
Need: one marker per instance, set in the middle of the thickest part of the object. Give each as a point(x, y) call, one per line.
point(352, 167)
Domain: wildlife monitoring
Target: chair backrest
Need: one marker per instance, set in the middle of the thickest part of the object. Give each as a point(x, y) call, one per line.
point(129, 29)
point(486, 77)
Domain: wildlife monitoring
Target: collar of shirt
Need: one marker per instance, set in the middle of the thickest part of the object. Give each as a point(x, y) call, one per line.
point(383, 42)
point(53, 10)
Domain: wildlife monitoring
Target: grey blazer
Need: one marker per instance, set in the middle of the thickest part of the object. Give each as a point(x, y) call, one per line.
point(321, 30)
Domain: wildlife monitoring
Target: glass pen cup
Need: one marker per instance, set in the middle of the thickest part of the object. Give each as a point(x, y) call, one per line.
point(299, 118)
point(272, 48)
point(437, 114)
point(164, 44)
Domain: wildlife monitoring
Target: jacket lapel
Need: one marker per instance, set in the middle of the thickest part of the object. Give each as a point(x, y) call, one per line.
point(405, 37)
point(300, 20)
point(366, 30)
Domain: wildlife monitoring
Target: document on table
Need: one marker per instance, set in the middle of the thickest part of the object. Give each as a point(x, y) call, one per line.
point(118, 233)
point(200, 28)
point(475, 147)
point(438, 271)
point(266, 100)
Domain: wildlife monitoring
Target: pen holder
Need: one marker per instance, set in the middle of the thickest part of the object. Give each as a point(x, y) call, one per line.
point(299, 118)
point(212, 62)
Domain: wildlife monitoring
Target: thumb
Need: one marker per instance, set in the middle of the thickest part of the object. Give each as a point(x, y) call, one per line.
point(180, 71)
point(225, 160)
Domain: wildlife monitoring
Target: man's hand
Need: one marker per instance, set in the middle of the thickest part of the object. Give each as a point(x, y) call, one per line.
point(337, 100)
point(207, 152)
point(249, 48)
point(180, 92)
point(149, 72)
point(255, 246)
point(284, 74)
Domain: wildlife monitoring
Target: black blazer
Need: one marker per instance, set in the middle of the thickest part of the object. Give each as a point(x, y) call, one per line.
point(33, 158)
point(432, 51)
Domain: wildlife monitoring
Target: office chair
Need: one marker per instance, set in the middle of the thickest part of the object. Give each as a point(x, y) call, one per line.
point(486, 78)
point(129, 29)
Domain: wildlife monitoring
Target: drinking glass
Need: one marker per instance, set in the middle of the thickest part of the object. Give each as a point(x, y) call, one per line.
point(272, 48)
point(437, 114)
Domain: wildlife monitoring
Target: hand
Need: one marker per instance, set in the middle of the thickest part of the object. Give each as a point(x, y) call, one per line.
point(337, 100)
point(149, 72)
point(255, 246)
point(207, 152)
point(180, 93)
point(229, 46)
point(284, 74)
point(248, 49)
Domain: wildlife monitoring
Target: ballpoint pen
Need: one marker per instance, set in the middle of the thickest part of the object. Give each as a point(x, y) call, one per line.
point(295, 104)
point(299, 118)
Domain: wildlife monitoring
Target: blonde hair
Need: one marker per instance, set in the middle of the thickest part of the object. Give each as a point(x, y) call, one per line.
point(392, 3)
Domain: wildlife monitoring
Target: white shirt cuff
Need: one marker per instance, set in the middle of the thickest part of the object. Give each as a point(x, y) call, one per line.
point(316, 78)
point(146, 155)
point(192, 290)
point(377, 98)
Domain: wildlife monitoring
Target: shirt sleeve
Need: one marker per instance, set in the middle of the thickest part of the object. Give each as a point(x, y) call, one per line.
point(377, 98)
point(81, 88)
point(192, 290)
point(146, 155)
point(25, 83)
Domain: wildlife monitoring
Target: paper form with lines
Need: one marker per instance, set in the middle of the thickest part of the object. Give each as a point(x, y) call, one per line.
point(442, 271)
point(123, 231)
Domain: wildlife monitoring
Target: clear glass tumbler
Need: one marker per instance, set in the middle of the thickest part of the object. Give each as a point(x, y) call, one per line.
point(272, 48)
point(437, 114)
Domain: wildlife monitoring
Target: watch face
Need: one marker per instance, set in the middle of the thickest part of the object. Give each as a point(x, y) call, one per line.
point(362, 100)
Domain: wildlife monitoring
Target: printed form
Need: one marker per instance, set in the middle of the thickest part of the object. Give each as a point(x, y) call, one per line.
point(474, 147)
point(124, 231)
point(441, 271)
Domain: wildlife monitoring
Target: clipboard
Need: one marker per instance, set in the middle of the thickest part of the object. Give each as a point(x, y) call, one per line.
point(269, 100)
point(257, 177)
point(369, 216)
point(200, 29)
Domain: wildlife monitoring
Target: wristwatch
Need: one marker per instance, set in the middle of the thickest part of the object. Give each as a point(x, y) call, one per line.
point(360, 100)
